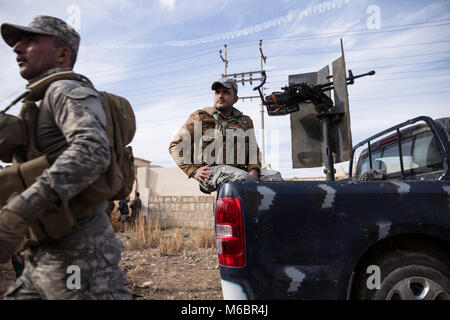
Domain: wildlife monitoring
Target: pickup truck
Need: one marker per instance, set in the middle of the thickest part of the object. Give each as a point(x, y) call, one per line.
point(383, 233)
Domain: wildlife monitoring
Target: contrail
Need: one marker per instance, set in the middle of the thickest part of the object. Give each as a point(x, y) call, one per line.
point(312, 9)
point(299, 14)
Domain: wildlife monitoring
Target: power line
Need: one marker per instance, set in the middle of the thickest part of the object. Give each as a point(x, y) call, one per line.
point(190, 85)
point(176, 99)
point(409, 78)
point(404, 96)
point(157, 65)
point(171, 84)
point(163, 94)
point(273, 70)
point(158, 74)
point(365, 49)
point(352, 33)
point(383, 97)
point(317, 36)
point(388, 66)
point(313, 53)
point(15, 94)
point(414, 71)
point(390, 79)
point(206, 51)
point(284, 82)
point(193, 96)
point(162, 84)
point(401, 57)
point(357, 49)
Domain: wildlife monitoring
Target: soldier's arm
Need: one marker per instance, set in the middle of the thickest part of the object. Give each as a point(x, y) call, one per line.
point(181, 147)
point(79, 115)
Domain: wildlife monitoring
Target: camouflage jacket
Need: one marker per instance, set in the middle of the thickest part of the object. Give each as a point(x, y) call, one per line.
point(228, 140)
point(70, 116)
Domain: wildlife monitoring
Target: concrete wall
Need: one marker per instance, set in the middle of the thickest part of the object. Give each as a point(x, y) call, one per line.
point(142, 183)
point(168, 195)
point(172, 181)
point(182, 211)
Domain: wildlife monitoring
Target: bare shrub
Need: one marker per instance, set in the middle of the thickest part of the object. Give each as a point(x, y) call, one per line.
point(172, 243)
point(148, 234)
point(144, 234)
point(204, 238)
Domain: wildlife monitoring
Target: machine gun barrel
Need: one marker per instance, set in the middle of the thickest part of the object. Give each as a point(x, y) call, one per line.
point(350, 80)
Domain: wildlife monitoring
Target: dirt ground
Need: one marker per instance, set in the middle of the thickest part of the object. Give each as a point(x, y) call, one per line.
point(190, 275)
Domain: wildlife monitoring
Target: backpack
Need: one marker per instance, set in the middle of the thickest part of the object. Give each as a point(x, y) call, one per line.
point(117, 182)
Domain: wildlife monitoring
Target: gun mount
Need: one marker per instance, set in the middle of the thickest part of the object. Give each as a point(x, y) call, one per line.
point(285, 102)
point(288, 101)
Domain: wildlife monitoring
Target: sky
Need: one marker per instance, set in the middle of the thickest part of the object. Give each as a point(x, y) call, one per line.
point(163, 55)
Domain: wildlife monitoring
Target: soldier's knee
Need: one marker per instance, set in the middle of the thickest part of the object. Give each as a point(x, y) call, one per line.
point(232, 174)
point(270, 175)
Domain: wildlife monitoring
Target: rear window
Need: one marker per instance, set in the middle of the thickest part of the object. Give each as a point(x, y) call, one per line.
point(420, 155)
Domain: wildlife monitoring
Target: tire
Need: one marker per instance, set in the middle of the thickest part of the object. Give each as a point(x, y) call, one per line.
point(406, 275)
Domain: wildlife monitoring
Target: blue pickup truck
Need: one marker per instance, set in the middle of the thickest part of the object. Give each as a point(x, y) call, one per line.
point(383, 233)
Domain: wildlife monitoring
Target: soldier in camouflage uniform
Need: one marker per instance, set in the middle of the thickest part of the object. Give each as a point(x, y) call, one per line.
point(230, 161)
point(71, 118)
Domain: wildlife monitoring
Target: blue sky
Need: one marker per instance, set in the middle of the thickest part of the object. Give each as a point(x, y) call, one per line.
point(163, 56)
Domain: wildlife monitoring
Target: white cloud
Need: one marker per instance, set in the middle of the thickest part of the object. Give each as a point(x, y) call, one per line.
point(167, 4)
point(296, 14)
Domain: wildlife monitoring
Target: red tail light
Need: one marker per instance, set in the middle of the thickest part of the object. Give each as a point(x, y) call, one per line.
point(230, 232)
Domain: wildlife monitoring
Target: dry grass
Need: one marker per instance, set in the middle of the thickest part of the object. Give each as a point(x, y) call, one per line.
point(173, 243)
point(204, 238)
point(145, 234)
point(148, 234)
point(114, 216)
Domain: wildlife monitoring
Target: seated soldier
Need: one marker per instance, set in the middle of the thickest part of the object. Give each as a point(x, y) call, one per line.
point(218, 144)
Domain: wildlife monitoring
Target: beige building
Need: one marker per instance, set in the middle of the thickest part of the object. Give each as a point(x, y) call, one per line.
point(169, 196)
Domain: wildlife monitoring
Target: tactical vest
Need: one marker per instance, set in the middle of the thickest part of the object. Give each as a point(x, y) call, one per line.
point(234, 123)
point(28, 163)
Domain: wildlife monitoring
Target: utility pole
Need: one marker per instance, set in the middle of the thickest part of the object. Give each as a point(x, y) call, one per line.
point(225, 61)
point(243, 77)
point(263, 59)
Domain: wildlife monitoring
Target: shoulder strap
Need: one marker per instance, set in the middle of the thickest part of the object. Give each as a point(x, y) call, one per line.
point(37, 89)
point(210, 110)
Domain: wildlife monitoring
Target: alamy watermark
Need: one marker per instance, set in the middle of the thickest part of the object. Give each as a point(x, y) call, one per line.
point(374, 280)
point(74, 280)
point(374, 19)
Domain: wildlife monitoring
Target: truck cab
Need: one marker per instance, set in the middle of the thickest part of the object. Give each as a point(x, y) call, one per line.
point(412, 153)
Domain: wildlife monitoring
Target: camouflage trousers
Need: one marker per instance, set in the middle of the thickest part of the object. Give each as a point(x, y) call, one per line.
point(221, 174)
point(86, 269)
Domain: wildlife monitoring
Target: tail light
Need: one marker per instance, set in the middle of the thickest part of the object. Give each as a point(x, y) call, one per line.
point(230, 232)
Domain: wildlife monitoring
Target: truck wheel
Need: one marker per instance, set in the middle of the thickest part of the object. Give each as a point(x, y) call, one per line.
point(405, 275)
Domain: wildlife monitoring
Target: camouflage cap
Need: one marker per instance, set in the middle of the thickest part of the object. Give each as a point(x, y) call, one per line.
point(225, 82)
point(44, 25)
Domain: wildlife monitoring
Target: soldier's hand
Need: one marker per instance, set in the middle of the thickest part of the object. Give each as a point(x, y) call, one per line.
point(202, 173)
point(12, 230)
point(255, 174)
